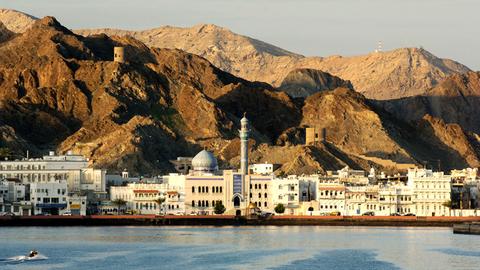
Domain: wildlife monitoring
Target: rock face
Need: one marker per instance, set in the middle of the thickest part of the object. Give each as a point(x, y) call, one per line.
point(306, 82)
point(455, 100)
point(16, 21)
point(384, 75)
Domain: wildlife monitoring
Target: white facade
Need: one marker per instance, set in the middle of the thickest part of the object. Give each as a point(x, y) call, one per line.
point(286, 191)
point(71, 168)
point(395, 198)
point(49, 197)
point(12, 199)
point(77, 205)
point(331, 198)
point(431, 191)
point(261, 168)
point(142, 198)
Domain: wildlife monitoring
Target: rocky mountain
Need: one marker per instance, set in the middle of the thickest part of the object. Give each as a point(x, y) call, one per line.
point(16, 21)
point(60, 90)
point(456, 100)
point(378, 75)
point(306, 82)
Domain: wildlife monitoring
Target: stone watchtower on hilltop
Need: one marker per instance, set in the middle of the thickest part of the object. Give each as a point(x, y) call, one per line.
point(119, 55)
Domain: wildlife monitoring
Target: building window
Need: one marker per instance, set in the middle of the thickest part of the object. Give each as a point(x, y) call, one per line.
point(250, 195)
point(206, 189)
point(206, 203)
point(193, 203)
point(265, 195)
point(255, 186)
point(220, 189)
point(250, 186)
point(265, 204)
point(259, 195)
point(265, 186)
point(193, 189)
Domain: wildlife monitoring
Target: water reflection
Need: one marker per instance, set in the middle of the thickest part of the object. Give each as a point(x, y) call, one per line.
point(238, 247)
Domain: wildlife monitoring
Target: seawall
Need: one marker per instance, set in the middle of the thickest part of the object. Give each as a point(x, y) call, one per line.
point(153, 220)
point(467, 228)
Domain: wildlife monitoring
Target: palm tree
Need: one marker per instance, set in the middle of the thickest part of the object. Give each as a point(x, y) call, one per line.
point(119, 203)
point(160, 201)
point(448, 204)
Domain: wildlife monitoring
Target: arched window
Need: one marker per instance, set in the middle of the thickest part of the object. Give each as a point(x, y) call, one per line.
point(265, 186)
point(265, 204)
point(206, 188)
point(203, 189)
point(259, 195)
point(250, 186)
point(250, 195)
point(255, 186)
point(199, 203)
point(265, 195)
point(206, 203)
point(213, 203)
point(193, 189)
point(193, 203)
point(220, 189)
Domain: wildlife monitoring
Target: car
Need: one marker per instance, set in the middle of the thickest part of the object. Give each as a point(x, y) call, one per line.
point(334, 213)
point(395, 214)
point(67, 213)
point(8, 214)
point(410, 215)
point(369, 213)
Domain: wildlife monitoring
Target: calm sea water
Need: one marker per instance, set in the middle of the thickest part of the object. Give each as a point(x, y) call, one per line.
point(239, 248)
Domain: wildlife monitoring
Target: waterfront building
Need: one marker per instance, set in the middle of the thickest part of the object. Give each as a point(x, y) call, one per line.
point(69, 167)
point(143, 198)
point(49, 197)
point(431, 192)
point(286, 191)
point(261, 168)
point(395, 198)
point(76, 205)
point(13, 198)
point(331, 198)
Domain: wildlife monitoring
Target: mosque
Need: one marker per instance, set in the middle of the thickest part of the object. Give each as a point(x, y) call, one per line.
point(238, 190)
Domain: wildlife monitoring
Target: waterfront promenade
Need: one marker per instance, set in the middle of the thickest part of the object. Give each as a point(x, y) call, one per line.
point(225, 220)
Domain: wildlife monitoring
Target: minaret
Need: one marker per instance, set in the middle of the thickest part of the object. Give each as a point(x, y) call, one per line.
point(244, 145)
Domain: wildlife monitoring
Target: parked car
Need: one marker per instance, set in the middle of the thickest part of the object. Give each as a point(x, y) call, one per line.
point(335, 213)
point(395, 214)
point(369, 213)
point(409, 215)
point(67, 213)
point(8, 214)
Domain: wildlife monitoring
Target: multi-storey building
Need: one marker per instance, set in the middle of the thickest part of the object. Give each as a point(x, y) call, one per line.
point(431, 192)
point(70, 168)
point(395, 198)
point(286, 192)
point(49, 197)
point(13, 198)
point(331, 198)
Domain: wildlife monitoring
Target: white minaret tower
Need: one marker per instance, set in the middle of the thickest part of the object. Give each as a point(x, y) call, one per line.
point(244, 145)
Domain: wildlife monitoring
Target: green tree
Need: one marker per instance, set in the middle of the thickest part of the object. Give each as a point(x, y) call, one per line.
point(280, 208)
point(119, 203)
point(448, 204)
point(160, 201)
point(219, 208)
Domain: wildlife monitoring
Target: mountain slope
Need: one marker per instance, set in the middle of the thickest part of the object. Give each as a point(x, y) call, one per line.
point(16, 21)
point(383, 75)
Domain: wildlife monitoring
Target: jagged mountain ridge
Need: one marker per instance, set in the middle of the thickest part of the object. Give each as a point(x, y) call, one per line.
point(384, 75)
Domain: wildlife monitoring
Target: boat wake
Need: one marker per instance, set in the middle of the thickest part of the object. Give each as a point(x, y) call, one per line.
point(21, 259)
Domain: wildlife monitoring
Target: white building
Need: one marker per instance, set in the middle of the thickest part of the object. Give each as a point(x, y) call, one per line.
point(70, 167)
point(431, 190)
point(261, 169)
point(142, 198)
point(49, 197)
point(395, 198)
point(331, 198)
point(12, 198)
point(286, 191)
point(77, 205)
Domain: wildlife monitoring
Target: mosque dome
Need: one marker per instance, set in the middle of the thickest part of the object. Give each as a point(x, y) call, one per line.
point(204, 161)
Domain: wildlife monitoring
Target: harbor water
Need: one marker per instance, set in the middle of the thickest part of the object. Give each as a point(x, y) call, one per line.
point(239, 248)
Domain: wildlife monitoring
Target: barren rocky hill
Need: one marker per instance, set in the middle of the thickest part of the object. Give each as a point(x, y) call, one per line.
point(62, 90)
point(16, 21)
point(379, 75)
point(306, 82)
point(382, 75)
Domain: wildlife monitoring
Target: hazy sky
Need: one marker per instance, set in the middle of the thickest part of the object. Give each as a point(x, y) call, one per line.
point(447, 28)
